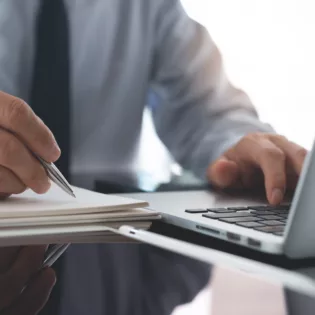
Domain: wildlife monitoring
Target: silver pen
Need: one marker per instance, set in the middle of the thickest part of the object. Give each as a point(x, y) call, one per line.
point(55, 175)
point(53, 254)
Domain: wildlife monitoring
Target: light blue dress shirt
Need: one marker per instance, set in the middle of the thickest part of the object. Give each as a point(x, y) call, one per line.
point(119, 50)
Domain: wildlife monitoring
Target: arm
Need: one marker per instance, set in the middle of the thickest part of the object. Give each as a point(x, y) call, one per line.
point(200, 114)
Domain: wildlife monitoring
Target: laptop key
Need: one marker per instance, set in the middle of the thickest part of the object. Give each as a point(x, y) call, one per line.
point(237, 208)
point(239, 219)
point(273, 222)
point(269, 217)
point(284, 216)
point(279, 207)
point(283, 207)
point(258, 207)
point(270, 229)
point(196, 210)
point(212, 215)
point(261, 212)
point(250, 224)
point(277, 211)
point(220, 210)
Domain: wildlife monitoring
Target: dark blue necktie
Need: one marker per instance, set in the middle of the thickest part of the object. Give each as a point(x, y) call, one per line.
point(50, 96)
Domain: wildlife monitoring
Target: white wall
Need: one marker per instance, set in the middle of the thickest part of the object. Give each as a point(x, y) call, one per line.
point(269, 50)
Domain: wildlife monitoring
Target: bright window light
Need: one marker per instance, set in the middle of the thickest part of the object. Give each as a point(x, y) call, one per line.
point(269, 50)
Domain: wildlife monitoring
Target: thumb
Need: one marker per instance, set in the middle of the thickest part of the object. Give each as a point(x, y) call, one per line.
point(223, 173)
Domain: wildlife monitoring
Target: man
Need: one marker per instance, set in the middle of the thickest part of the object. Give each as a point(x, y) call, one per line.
point(118, 50)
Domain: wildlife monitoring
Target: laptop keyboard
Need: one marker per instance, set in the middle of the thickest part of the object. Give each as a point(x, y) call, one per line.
point(268, 219)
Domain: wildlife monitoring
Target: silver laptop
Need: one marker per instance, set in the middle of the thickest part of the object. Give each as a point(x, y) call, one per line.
point(286, 229)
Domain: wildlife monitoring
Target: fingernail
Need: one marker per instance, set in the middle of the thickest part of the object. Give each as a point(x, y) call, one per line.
point(277, 195)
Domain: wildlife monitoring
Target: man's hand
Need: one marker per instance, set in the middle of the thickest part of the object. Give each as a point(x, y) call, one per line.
point(21, 129)
point(265, 160)
point(20, 269)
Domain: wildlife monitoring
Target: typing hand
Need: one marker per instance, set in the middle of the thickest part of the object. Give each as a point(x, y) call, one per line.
point(265, 160)
point(19, 267)
point(19, 169)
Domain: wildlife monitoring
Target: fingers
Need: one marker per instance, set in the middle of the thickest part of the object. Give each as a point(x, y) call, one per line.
point(9, 182)
point(4, 196)
point(19, 168)
point(259, 151)
point(277, 159)
point(17, 117)
point(224, 173)
point(272, 161)
point(35, 296)
point(26, 264)
point(21, 131)
point(295, 154)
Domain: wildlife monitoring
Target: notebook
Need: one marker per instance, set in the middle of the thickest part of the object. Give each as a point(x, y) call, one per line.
point(55, 217)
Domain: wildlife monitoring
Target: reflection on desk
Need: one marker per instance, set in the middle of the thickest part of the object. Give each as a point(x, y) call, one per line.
point(236, 293)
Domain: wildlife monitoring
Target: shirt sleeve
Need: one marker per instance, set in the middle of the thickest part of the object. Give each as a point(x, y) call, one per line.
point(199, 114)
point(16, 46)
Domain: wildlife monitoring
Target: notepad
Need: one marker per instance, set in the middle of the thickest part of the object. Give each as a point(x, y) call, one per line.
point(55, 217)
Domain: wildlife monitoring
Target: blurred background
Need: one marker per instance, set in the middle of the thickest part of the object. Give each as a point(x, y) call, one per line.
point(269, 51)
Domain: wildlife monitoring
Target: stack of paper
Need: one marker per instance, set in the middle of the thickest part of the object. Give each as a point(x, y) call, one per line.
point(55, 217)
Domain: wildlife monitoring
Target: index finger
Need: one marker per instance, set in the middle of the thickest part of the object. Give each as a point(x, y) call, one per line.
point(272, 163)
point(294, 152)
point(271, 160)
point(17, 117)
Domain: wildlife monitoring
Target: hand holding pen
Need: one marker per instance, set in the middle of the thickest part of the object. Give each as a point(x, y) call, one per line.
point(27, 151)
point(22, 133)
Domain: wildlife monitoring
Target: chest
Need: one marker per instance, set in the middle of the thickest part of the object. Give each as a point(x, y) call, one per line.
point(111, 45)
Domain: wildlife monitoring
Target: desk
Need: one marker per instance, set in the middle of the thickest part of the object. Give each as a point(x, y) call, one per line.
point(297, 302)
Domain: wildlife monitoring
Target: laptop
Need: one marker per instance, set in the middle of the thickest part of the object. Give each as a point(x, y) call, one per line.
point(287, 229)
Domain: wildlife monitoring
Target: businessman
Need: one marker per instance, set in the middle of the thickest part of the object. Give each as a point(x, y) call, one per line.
point(85, 68)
